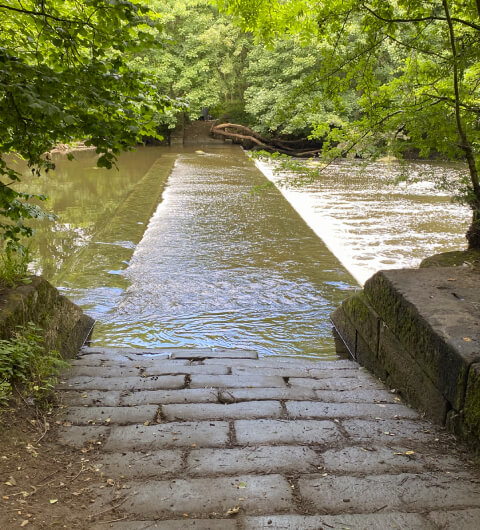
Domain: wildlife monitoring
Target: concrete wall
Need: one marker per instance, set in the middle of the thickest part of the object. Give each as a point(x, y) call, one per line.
point(419, 331)
point(65, 325)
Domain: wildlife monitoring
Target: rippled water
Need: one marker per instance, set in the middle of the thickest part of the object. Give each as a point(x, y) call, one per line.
point(174, 248)
point(371, 222)
point(217, 266)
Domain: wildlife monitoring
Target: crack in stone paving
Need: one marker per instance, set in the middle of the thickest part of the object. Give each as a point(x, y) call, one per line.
point(240, 442)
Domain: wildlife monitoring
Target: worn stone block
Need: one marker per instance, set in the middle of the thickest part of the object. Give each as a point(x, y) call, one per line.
point(185, 395)
point(110, 415)
point(168, 435)
point(379, 459)
point(255, 394)
point(264, 459)
point(366, 320)
point(468, 519)
point(351, 383)
point(255, 494)
point(217, 354)
point(78, 436)
point(126, 352)
point(307, 409)
point(204, 411)
point(389, 431)
point(355, 396)
point(295, 372)
point(177, 524)
point(102, 371)
point(430, 322)
point(375, 521)
point(186, 369)
point(235, 381)
point(277, 432)
point(95, 398)
point(284, 362)
point(123, 383)
point(388, 492)
point(136, 465)
point(401, 371)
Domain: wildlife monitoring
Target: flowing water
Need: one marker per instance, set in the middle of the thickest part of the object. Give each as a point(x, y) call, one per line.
point(176, 249)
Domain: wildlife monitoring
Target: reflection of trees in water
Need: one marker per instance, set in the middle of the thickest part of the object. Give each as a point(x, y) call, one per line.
point(84, 199)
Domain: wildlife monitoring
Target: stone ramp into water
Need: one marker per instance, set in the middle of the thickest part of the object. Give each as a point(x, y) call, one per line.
point(195, 438)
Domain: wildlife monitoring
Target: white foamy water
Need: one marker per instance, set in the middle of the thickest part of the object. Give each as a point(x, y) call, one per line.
point(371, 223)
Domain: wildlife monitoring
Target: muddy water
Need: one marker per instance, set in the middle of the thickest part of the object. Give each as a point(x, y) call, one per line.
point(371, 219)
point(212, 265)
point(174, 249)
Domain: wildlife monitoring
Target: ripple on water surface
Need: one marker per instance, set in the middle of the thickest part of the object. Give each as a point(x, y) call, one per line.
point(220, 266)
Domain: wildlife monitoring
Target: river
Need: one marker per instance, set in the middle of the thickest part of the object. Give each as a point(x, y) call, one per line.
point(176, 248)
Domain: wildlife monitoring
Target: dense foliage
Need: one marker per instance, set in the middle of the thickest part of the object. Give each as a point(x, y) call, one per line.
point(64, 76)
point(415, 66)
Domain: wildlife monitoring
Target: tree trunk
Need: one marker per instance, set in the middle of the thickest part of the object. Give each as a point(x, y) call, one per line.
point(473, 233)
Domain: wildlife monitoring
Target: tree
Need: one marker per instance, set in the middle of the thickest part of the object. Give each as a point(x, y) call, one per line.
point(203, 59)
point(64, 76)
point(428, 97)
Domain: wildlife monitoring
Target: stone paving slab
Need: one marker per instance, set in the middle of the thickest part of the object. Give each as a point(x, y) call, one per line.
point(137, 465)
point(382, 459)
point(266, 459)
point(355, 396)
point(178, 524)
point(213, 411)
point(389, 492)
point(188, 434)
point(124, 383)
point(235, 381)
point(237, 442)
point(390, 431)
point(285, 362)
point(459, 519)
point(186, 395)
point(380, 521)
point(275, 432)
point(295, 372)
point(344, 383)
point(77, 398)
point(217, 354)
point(232, 395)
point(252, 493)
point(110, 415)
point(306, 409)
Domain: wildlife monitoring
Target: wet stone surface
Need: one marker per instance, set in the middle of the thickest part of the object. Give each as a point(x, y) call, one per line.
point(224, 440)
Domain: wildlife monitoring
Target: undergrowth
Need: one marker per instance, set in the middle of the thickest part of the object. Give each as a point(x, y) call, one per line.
point(14, 267)
point(28, 366)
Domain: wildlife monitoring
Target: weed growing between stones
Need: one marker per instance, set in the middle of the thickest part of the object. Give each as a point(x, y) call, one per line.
point(26, 365)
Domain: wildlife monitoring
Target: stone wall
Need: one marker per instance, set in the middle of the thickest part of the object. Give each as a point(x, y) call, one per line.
point(65, 325)
point(419, 331)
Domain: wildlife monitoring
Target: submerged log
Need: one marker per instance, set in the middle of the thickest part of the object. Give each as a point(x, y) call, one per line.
point(252, 140)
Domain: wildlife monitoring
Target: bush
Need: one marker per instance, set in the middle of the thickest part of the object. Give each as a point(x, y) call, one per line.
point(26, 364)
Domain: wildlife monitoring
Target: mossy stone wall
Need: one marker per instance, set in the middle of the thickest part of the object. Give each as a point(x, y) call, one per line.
point(419, 331)
point(65, 325)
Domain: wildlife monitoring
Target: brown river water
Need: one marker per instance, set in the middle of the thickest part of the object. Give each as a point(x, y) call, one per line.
point(175, 249)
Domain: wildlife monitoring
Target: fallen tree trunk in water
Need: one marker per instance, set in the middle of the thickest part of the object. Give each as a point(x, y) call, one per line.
point(252, 140)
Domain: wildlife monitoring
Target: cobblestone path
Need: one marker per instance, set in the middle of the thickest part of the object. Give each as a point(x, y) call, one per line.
point(195, 439)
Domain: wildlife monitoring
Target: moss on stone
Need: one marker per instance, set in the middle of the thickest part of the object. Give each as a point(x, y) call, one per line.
point(456, 258)
point(64, 324)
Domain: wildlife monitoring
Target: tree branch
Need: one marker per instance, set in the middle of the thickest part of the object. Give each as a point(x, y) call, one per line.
point(422, 19)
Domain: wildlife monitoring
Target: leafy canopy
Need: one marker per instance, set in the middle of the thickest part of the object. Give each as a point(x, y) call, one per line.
point(64, 76)
point(414, 64)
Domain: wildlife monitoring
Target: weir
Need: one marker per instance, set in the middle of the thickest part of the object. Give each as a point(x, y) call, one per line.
point(214, 426)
